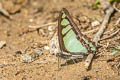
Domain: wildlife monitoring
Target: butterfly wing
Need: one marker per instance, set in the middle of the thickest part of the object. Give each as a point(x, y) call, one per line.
point(71, 40)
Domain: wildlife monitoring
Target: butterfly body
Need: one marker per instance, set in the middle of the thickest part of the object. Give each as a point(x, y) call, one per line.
point(65, 55)
point(73, 44)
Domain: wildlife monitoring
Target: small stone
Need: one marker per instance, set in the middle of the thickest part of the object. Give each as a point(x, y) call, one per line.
point(18, 52)
point(50, 28)
point(46, 47)
point(38, 51)
point(27, 58)
point(95, 23)
point(42, 31)
point(2, 43)
point(30, 20)
point(51, 33)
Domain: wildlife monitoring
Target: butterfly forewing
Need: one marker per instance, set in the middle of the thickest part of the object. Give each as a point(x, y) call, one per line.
point(70, 38)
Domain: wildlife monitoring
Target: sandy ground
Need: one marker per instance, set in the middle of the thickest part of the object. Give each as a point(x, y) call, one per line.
point(19, 37)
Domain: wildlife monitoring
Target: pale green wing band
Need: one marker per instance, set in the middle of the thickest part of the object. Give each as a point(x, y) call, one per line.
point(72, 44)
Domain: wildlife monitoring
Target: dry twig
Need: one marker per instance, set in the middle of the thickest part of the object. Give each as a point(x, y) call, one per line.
point(37, 27)
point(87, 32)
point(117, 22)
point(2, 10)
point(114, 6)
point(103, 26)
point(88, 61)
point(110, 35)
point(97, 36)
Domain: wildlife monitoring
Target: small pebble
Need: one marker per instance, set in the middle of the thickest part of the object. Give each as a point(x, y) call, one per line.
point(38, 51)
point(27, 58)
point(42, 31)
point(18, 52)
point(95, 23)
point(2, 43)
point(46, 47)
point(50, 28)
point(51, 33)
point(30, 20)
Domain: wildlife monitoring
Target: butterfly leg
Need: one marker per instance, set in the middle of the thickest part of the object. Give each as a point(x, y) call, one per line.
point(59, 60)
point(73, 61)
point(38, 31)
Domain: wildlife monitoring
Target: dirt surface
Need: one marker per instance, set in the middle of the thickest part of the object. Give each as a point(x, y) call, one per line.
point(21, 40)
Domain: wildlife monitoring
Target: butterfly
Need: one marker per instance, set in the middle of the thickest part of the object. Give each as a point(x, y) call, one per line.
point(72, 43)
